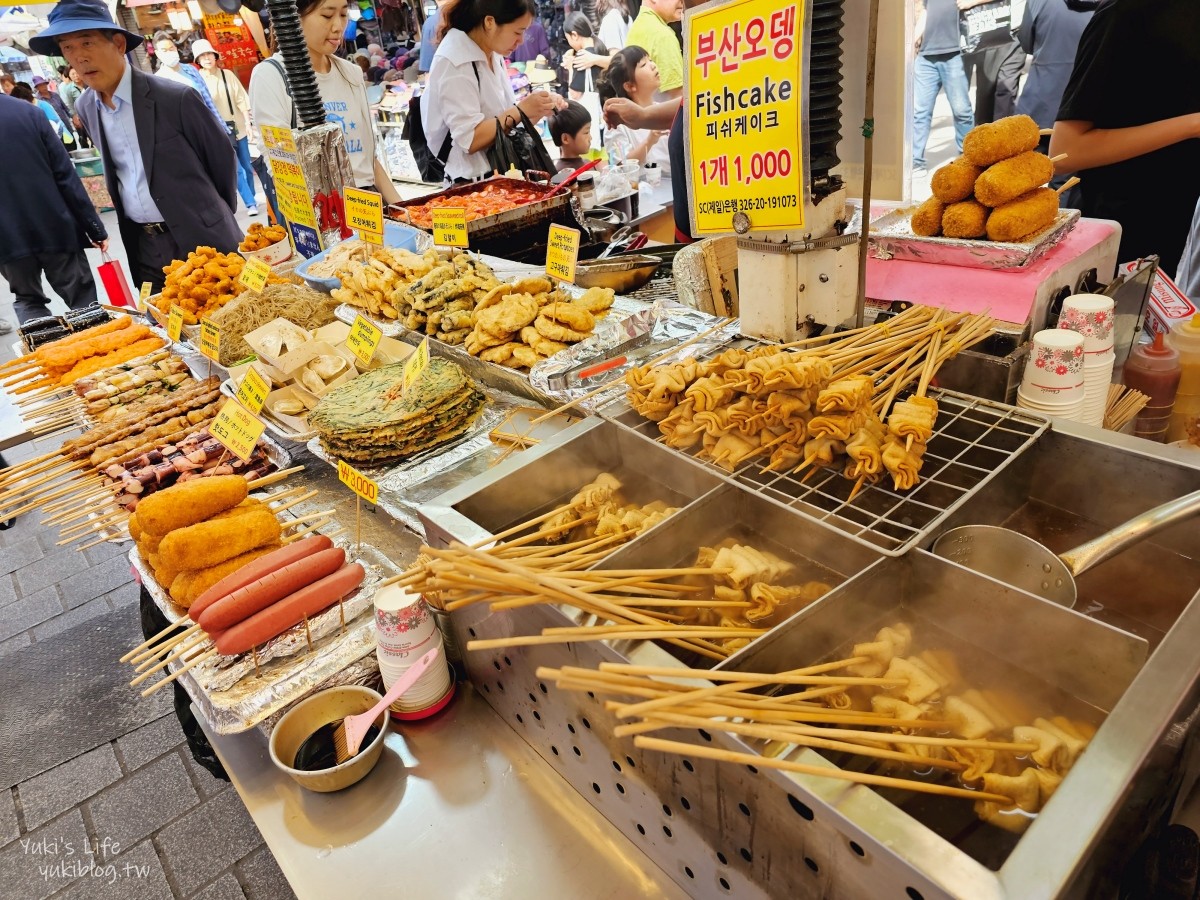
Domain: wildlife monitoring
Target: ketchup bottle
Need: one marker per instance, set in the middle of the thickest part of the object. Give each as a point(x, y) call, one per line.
point(1154, 370)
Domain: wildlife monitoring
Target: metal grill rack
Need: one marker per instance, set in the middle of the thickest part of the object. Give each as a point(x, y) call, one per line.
point(973, 440)
point(661, 287)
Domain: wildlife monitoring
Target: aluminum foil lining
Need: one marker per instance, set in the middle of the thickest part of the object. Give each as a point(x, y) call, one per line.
point(892, 238)
point(666, 320)
point(227, 690)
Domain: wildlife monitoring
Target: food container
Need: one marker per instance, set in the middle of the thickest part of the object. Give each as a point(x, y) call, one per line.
point(272, 254)
point(310, 714)
point(624, 273)
point(395, 234)
point(892, 238)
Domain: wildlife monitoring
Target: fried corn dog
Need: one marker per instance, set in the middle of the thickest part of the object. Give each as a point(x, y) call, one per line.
point(1023, 217)
point(986, 145)
point(1010, 178)
point(927, 220)
point(955, 181)
point(190, 502)
point(209, 543)
point(967, 219)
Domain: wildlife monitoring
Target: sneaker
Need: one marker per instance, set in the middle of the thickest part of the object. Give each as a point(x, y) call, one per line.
point(253, 211)
point(5, 326)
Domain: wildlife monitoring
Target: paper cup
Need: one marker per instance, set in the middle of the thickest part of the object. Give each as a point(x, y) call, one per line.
point(1055, 360)
point(403, 620)
point(1091, 315)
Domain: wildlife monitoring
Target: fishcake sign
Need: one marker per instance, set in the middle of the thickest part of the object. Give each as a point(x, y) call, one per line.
point(744, 119)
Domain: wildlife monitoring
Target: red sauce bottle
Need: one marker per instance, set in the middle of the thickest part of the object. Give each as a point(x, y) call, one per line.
point(1154, 370)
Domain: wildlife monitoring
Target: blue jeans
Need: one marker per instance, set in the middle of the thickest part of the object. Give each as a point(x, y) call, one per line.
point(245, 173)
point(930, 76)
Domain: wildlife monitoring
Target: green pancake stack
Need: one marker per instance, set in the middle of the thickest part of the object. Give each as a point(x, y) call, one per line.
point(372, 420)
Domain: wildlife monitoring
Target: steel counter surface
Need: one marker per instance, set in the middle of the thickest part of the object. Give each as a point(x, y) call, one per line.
point(458, 806)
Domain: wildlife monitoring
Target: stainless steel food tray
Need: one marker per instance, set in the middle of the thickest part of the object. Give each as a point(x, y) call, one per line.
point(973, 440)
point(892, 238)
point(543, 209)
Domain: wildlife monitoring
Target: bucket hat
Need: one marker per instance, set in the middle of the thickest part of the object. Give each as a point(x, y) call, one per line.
point(69, 16)
point(201, 46)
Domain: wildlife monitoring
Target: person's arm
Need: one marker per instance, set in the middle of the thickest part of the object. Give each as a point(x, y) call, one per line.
point(241, 100)
point(383, 181)
point(1025, 33)
point(212, 146)
point(71, 188)
point(641, 150)
point(656, 117)
point(919, 27)
point(1089, 147)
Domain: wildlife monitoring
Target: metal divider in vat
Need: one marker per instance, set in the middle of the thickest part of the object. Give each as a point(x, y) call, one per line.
point(902, 842)
point(973, 440)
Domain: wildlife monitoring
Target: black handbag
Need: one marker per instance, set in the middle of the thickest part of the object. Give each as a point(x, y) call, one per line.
point(985, 26)
point(520, 148)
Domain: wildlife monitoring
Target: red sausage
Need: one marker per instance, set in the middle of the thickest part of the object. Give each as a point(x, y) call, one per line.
point(258, 595)
point(291, 610)
point(255, 570)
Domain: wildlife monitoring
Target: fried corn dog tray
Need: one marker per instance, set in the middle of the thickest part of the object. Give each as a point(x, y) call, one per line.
point(892, 238)
point(233, 698)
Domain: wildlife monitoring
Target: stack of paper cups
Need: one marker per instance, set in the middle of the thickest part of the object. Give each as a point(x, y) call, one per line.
point(1053, 380)
point(406, 631)
point(1092, 316)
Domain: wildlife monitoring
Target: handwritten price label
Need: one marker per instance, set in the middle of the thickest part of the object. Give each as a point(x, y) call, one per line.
point(417, 364)
point(237, 429)
point(363, 339)
point(450, 227)
point(364, 211)
point(252, 392)
point(210, 339)
point(562, 252)
point(371, 237)
point(358, 482)
point(254, 274)
point(144, 296)
point(175, 323)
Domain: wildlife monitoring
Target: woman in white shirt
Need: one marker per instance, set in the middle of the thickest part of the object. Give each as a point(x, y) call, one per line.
point(342, 89)
point(615, 20)
point(469, 88)
point(233, 104)
point(632, 75)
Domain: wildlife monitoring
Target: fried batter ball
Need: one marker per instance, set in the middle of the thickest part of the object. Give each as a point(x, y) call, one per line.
point(986, 145)
point(1023, 217)
point(927, 220)
point(1010, 178)
point(967, 219)
point(955, 181)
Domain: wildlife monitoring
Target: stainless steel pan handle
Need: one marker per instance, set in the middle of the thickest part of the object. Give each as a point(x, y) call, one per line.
point(1112, 542)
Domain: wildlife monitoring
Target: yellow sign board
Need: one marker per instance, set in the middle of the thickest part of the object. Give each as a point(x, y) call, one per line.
point(363, 339)
point(744, 140)
point(371, 237)
point(143, 296)
point(291, 190)
point(417, 363)
point(364, 210)
point(210, 339)
point(252, 392)
point(237, 429)
point(450, 226)
point(254, 274)
point(175, 323)
point(358, 482)
point(562, 252)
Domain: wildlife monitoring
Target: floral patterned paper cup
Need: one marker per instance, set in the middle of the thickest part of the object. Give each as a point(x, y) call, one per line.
point(1091, 315)
point(1055, 360)
point(402, 620)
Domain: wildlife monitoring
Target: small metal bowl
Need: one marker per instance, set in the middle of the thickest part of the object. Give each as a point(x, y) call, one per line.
point(623, 274)
point(309, 715)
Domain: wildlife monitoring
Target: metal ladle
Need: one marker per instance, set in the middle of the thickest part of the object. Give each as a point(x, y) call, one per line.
point(1024, 563)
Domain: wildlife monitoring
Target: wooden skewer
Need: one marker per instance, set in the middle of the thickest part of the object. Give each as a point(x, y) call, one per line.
point(96, 526)
point(285, 494)
point(150, 640)
point(857, 487)
point(209, 654)
point(160, 650)
point(98, 542)
point(77, 507)
point(1070, 183)
point(192, 644)
point(304, 532)
point(753, 759)
point(588, 634)
point(299, 520)
point(33, 502)
point(19, 493)
point(273, 478)
point(302, 498)
point(13, 471)
point(96, 519)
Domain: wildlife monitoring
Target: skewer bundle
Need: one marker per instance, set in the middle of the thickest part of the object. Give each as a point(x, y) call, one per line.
point(1123, 406)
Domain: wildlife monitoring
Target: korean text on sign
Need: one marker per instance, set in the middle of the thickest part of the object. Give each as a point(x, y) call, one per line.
point(210, 339)
point(291, 190)
point(252, 392)
point(450, 226)
point(745, 146)
point(562, 253)
point(364, 212)
point(363, 339)
point(237, 430)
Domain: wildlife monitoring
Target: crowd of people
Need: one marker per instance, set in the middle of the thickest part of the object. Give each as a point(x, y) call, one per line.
point(176, 145)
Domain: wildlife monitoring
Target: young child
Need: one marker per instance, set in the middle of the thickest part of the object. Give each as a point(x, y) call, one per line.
point(571, 130)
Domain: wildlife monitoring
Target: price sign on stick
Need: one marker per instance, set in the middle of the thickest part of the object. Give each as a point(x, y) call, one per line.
point(450, 227)
point(364, 213)
point(210, 339)
point(254, 274)
point(237, 429)
point(417, 363)
point(175, 323)
point(358, 482)
point(363, 339)
point(144, 296)
point(562, 252)
point(252, 392)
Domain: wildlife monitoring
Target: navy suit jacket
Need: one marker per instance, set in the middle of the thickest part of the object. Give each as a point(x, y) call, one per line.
point(45, 208)
point(189, 162)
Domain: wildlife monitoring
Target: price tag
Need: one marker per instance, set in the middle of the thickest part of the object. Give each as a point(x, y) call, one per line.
point(143, 296)
point(450, 227)
point(364, 211)
point(371, 237)
point(358, 482)
point(252, 392)
point(364, 338)
point(417, 363)
point(210, 339)
point(237, 429)
point(562, 252)
point(175, 323)
point(254, 274)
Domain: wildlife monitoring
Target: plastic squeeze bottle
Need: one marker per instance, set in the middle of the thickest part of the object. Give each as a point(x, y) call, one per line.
point(1154, 370)
point(1185, 419)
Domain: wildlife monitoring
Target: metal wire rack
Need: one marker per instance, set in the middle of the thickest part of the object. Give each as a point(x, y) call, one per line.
point(973, 440)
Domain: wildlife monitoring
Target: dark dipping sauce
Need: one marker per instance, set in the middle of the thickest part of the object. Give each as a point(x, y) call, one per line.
point(318, 752)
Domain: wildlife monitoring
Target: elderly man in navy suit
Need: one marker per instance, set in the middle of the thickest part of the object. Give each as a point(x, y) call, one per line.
point(170, 167)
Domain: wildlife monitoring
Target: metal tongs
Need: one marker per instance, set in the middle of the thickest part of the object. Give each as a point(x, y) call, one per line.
point(626, 239)
point(628, 352)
